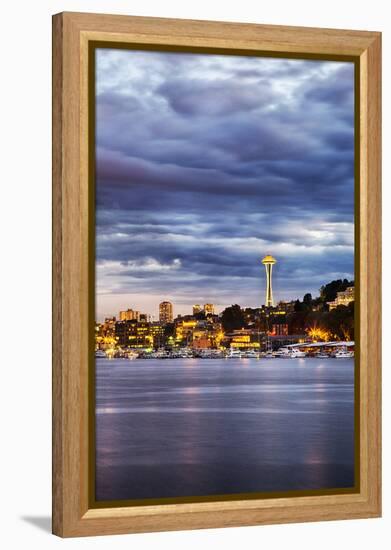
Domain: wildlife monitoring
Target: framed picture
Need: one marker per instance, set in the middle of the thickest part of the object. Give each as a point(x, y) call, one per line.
point(216, 215)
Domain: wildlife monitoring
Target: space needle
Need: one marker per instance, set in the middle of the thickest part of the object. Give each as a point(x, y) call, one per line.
point(268, 261)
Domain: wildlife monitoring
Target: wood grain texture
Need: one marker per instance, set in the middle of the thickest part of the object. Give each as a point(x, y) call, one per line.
point(71, 35)
point(57, 462)
point(218, 34)
point(371, 407)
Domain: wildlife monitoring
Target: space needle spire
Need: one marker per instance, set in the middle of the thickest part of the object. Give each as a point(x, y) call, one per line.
point(268, 261)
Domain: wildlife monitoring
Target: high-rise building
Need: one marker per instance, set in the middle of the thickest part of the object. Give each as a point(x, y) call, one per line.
point(209, 309)
point(129, 315)
point(197, 309)
point(165, 312)
point(268, 261)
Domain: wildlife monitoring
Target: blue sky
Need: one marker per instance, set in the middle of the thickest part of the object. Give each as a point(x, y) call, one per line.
point(205, 163)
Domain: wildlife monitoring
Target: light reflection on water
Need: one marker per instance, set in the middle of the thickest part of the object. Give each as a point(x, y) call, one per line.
point(163, 429)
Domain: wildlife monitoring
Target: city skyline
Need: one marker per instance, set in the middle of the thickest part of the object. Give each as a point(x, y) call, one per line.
point(210, 308)
point(191, 194)
point(311, 320)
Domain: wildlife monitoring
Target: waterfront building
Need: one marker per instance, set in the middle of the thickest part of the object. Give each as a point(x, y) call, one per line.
point(165, 312)
point(105, 334)
point(184, 329)
point(207, 334)
point(243, 339)
point(204, 333)
point(282, 340)
point(268, 261)
point(138, 334)
point(279, 329)
point(203, 342)
point(156, 331)
point(344, 298)
point(108, 326)
point(124, 333)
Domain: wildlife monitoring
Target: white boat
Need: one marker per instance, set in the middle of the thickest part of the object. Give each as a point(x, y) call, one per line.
point(268, 354)
point(100, 354)
point(251, 354)
point(131, 354)
point(296, 353)
point(205, 353)
point(159, 354)
point(186, 353)
point(344, 354)
point(282, 353)
point(235, 353)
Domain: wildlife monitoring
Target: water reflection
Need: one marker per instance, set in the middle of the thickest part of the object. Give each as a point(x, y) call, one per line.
point(222, 426)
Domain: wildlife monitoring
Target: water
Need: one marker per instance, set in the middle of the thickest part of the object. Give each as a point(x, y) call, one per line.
point(196, 427)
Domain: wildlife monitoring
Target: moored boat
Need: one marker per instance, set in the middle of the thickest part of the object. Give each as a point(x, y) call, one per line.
point(344, 354)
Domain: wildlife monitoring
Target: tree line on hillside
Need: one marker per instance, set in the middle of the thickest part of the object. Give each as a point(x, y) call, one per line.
point(310, 315)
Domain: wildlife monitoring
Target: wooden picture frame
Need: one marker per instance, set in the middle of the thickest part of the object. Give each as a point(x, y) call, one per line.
point(72, 33)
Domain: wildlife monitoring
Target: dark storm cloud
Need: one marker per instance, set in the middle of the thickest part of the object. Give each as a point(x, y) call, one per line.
point(219, 97)
point(339, 95)
point(206, 163)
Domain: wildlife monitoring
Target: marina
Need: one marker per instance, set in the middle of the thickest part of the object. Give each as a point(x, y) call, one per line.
point(324, 350)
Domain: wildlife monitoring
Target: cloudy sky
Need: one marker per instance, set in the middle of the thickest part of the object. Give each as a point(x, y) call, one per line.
point(205, 163)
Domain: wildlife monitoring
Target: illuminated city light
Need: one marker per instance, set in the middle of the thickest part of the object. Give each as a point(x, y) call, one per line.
point(318, 334)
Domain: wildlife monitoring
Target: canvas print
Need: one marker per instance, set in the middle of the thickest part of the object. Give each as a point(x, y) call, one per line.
point(224, 360)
